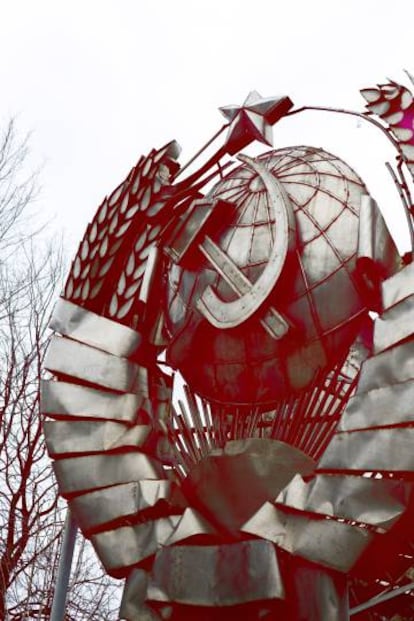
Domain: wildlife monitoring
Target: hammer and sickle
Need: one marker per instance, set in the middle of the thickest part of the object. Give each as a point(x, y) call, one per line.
point(226, 315)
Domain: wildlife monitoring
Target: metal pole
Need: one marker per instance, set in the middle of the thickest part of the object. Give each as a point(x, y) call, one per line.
point(63, 574)
point(200, 151)
point(382, 598)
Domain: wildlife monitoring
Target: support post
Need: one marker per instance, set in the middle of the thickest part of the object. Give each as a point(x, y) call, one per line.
point(383, 597)
point(65, 562)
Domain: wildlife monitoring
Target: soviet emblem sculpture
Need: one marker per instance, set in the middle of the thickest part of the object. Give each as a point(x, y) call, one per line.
point(282, 463)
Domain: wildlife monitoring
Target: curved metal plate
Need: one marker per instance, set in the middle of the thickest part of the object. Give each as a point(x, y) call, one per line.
point(230, 314)
point(87, 436)
point(387, 449)
point(329, 542)
point(68, 357)
point(128, 545)
point(63, 399)
point(80, 474)
point(207, 574)
point(107, 504)
point(378, 502)
point(263, 466)
point(87, 327)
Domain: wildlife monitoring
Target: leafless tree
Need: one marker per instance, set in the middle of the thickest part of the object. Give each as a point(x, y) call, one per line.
point(31, 515)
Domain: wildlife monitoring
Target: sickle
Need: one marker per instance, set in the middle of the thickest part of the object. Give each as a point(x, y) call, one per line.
point(230, 314)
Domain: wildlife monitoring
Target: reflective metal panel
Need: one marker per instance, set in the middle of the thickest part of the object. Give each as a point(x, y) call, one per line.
point(320, 595)
point(225, 314)
point(82, 325)
point(229, 314)
point(191, 523)
point(378, 502)
point(398, 287)
point(325, 541)
point(90, 364)
point(218, 483)
point(128, 499)
point(129, 545)
point(92, 436)
point(395, 325)
point(132, 604)
point(388, 405)
point(374, 239)
point(78, 474)
point(389, 450)
point(71, 400)
point(391, 366)
point(222, 575)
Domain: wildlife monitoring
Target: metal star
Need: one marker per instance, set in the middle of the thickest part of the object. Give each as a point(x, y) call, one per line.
point(253, 120)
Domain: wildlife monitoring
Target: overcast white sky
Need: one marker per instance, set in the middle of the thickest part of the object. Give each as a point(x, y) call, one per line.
point(99, 82)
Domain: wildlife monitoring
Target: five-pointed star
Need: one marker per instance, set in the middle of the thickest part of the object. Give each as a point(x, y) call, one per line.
point(253, 120)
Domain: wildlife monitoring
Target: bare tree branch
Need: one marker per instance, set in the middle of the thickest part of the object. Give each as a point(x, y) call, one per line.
point(31, 518)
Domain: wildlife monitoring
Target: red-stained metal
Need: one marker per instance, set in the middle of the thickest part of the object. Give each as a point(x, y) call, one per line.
point(243, 492)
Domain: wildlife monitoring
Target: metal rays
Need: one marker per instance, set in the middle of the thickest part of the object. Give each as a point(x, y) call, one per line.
point(309, 421)
point(305, 421)
point(197, 428)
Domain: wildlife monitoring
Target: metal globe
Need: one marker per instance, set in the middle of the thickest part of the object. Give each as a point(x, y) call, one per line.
point(317, 292)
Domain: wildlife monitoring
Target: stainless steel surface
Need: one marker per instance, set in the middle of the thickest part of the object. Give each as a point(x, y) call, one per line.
point(219, 313)
point(374, 601)
point(207, 576)
point(230, 314)
point(387, 405)
point(87, 363)
point(67, 546)
point(133, 612)
point(395, 325)
point(389, 367)
point(374, 239)
point(301, 236)
point(191, 523)
point(393, 102)
point(133, 607)
point(389, 450)
point(73, 401)
point(331, 543)
point(118, 501)
point(398, 287)
point(321, 595)
point(246, 366)
point(378, 502)
point(253, 120)
point(78, 474)
point(147, 281)
point(108, 268)
point(126, 546)
point(82, 325)
point(192, 226)
point(92, 436)
point(219, 482)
